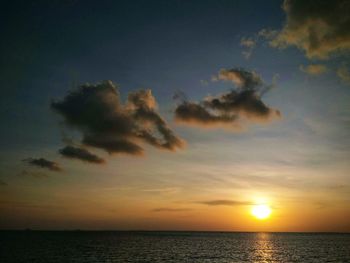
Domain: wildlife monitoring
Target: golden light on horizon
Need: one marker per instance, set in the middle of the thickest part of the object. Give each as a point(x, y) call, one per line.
point(261, 211)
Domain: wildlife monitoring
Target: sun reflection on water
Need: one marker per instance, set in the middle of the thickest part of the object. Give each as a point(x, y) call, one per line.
point(263, 248)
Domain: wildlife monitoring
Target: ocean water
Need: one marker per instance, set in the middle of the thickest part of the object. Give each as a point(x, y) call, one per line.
point(177, 247)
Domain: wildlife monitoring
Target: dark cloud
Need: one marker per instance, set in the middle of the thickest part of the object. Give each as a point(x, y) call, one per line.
point(43, 163)
point(198, 114)
point(106, 123)
point(245, 103)
point(320, 28)
point(166, 209)
point(81, 154)
point(224, 202)
point(230, 108)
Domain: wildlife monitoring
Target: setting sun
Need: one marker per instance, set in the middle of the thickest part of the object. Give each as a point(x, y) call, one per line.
point(261, 211)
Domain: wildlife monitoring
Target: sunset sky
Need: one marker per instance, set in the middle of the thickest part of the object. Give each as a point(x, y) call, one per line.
point(175, 115)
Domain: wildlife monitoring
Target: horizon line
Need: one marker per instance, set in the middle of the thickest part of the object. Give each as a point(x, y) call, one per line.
point(179, 231)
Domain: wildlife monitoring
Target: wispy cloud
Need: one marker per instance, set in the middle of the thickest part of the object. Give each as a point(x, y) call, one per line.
point(165, 190)
point(168, 209)
point(224, 202)
point(34, 174)
point(344, 74)
point(314, 69)
point(249, 45)
point(43, 163)
point(80, 154)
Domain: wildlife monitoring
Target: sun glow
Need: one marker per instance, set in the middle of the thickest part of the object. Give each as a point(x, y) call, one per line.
point(261, 211)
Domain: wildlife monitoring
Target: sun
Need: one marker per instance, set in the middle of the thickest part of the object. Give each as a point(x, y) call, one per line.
point(261, 211)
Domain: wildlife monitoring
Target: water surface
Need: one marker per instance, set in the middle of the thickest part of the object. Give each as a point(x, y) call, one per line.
point(175, 247)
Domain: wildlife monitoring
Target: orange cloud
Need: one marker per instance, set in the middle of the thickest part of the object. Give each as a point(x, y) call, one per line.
point(319, 28)
point(314, 69)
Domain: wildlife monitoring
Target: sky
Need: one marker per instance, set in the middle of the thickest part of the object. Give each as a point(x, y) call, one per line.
point(175, 115)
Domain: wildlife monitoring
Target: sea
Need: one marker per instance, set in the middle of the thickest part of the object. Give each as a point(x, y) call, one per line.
point(175, 247)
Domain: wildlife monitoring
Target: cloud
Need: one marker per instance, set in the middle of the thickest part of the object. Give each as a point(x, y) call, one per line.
point(224, 202)
point(247, 42)
point(166, 209)
point(97, 112)
point(204, 82)
point(197, 114)
point(165, 190)
point(344, 74)
point(242, 78)
point(314, 69)
point(267, 33)
point(249, 45)
point(34, 174)
point(319, 28)
point(233, 107)
point(43, 163)
point(81, 154)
